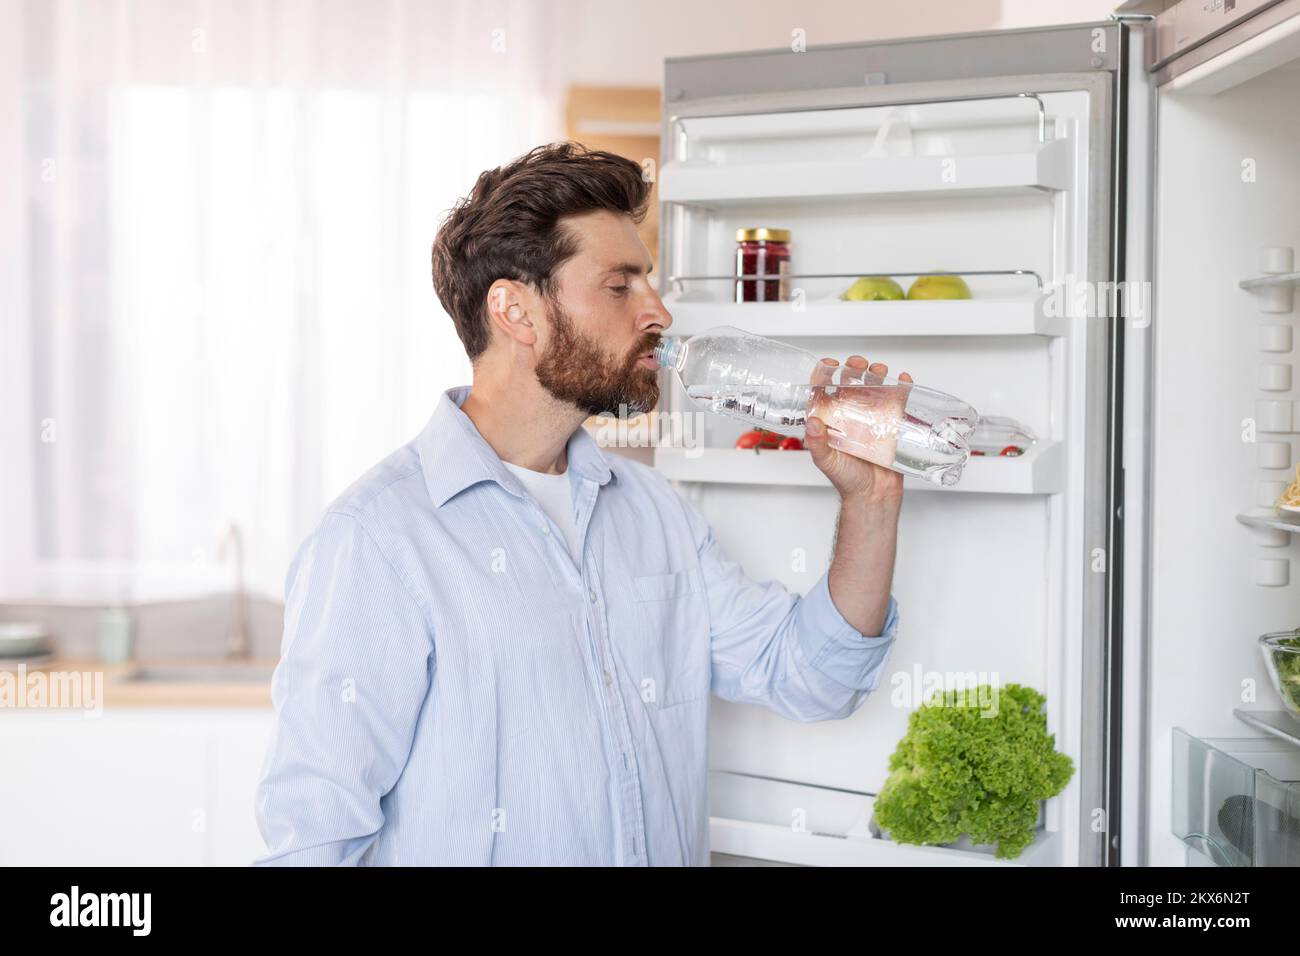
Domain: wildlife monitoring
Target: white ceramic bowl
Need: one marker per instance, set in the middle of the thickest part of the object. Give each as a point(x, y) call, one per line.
point(23, 638)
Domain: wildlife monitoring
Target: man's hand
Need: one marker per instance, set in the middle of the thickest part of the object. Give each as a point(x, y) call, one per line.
point(856, 479)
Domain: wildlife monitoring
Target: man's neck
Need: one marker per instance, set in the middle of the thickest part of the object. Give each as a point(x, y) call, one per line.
point(524, 424)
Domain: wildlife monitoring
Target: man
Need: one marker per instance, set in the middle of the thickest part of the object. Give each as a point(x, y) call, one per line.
point(500, 643)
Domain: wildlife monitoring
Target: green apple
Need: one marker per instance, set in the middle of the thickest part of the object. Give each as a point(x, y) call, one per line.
point(873, 289)
point(939, 287)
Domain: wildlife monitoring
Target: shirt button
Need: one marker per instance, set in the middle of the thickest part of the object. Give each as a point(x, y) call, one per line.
point(546, 529)
point(609, 679)
point(593, 596)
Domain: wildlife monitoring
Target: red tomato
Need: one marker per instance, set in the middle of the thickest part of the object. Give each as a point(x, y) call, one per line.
point(749, 439)
point(1012, 450)
point(791, 444)
point(974, 452)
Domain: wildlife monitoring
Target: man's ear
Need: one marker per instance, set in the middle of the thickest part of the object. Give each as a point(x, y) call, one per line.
point(512, 309)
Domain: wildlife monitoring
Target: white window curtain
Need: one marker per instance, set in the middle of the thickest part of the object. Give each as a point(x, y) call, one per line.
point(215, 300)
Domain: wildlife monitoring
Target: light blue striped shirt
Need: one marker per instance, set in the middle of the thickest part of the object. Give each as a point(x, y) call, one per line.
point(455, 689)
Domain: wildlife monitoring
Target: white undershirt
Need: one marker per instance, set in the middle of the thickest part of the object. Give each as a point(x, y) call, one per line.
point(553, 493)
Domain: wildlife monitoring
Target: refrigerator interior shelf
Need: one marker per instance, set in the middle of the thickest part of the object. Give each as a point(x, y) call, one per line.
point(1040, 470)
point(1266, 519)
point(1044, 167)
point(1279, 723)
point(835, 317)
point(1270, 281)
point(756, 817)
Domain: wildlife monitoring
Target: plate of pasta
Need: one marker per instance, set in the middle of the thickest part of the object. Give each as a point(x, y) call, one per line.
point(1289, 500)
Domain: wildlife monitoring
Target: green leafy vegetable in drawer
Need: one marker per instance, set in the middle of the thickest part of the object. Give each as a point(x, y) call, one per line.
point(978, 761)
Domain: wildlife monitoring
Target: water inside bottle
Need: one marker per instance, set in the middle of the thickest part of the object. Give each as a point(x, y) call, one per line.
point(872, 422)
point(779, 408)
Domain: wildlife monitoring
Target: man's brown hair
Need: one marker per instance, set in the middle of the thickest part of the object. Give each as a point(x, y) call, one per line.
point(508, 227)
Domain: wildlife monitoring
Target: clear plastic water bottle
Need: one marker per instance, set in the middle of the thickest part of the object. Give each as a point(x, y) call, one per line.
point(900, 425)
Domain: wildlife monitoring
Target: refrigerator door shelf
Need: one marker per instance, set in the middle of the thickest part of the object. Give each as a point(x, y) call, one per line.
point(894, 124)
point(769, 841)
point(1039, 471)
point(834, 317)
point(1045, 168)
point(790, 822)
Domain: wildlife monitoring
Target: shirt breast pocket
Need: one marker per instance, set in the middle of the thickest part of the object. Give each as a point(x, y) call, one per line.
point(671, 649)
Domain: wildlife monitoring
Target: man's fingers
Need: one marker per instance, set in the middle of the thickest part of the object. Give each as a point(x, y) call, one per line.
point(854, 366)
point(824, 371)
point(816, 441)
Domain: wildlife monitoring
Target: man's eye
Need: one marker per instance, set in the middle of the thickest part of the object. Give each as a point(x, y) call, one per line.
point(619, 289)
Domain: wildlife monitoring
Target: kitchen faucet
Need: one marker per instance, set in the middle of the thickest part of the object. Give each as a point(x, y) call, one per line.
point(238, 644)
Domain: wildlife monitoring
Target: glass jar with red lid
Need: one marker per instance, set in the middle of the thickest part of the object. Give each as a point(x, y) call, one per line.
point(762, 252)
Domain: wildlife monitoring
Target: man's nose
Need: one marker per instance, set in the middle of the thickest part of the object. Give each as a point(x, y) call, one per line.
point(657, 314)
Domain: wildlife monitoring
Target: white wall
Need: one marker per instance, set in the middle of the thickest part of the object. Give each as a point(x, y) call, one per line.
point(624, 43)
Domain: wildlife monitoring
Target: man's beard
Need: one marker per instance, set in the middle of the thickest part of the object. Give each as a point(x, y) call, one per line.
point(576, 370)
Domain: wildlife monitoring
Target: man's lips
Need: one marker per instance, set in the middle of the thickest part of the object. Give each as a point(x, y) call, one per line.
point(647, 358)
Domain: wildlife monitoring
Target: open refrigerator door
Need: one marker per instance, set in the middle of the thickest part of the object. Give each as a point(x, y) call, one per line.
point(990, 157)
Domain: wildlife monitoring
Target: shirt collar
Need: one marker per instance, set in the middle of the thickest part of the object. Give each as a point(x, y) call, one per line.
point(455, 456)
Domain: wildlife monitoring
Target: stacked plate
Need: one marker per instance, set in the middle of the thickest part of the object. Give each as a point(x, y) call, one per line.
point(23, 642)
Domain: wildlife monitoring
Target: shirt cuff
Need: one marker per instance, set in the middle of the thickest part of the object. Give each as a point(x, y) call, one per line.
point(835, 647)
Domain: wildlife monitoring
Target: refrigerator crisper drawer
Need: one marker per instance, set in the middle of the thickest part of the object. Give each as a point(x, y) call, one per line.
point(1237, 800)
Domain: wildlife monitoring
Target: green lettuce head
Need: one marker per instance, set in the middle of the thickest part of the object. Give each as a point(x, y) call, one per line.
point(966, 767)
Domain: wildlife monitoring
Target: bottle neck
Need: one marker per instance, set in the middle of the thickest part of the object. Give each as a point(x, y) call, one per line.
point(671, 353)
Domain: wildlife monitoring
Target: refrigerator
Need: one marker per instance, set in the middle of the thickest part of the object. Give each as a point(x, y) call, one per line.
point(1120, 198)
